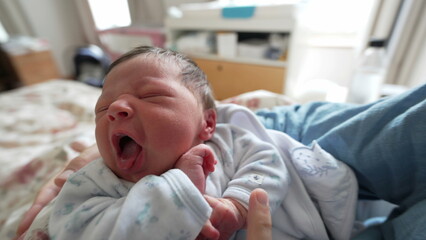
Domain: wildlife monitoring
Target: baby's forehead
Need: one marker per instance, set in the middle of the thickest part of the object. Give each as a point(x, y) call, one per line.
point(141, 69)
point(166, 64)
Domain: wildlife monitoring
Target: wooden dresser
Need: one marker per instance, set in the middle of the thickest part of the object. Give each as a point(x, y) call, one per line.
point(26, 69)
point(229, 79)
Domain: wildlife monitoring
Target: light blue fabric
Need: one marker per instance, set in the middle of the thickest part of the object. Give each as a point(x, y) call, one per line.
point(384, 143)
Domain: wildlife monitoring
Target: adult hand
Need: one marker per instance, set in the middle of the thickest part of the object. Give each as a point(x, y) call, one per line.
point(86, 156)
point(259, 223)
point(51, 189)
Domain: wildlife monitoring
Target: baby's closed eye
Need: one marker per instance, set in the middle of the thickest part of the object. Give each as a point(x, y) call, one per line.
point(101, 109)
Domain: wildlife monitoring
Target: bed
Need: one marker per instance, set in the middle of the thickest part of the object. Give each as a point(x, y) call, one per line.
point(45, 125)
point(39, 123)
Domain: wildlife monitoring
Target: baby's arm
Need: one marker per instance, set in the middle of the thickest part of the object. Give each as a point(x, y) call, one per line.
point(95, 204)
point(251, 163)
point(197, 163)
point(228, 215)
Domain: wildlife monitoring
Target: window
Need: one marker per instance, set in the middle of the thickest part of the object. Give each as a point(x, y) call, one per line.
point(110, 13)
point(3, 34)
point(254, 2)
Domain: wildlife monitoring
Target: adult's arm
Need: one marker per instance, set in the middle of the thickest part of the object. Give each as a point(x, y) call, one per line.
point(383, 142)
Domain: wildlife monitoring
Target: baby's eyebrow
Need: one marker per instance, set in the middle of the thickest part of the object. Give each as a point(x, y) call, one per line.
point(105, 94)
point(153, 86)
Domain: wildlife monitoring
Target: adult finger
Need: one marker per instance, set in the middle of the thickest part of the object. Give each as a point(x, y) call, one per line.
point(259, 216)
point(48, 192)
point(75, 164)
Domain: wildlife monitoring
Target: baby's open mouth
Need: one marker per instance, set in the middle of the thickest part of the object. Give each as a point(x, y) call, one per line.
point(128, 151)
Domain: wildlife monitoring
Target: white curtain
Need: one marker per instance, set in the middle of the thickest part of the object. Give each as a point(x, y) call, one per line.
point(147, 12)
point(407, 48)
point(88, 24)
point(386, 13)
point(13, 18)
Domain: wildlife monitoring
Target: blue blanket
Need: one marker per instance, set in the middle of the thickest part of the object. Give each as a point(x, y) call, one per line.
point(384, 143)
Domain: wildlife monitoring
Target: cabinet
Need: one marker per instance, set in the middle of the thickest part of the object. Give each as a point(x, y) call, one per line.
point(229, 79)
point(35, 67)
point(28, 68)
point(233, 75)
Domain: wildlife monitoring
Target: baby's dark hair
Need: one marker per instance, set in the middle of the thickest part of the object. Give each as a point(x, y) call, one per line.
point(193, 77)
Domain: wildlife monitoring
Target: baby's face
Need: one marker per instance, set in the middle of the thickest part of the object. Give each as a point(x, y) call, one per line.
point(146, 119)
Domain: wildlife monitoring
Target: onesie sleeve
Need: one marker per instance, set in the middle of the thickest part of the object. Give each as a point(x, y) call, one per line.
point(95, 204)
point(255, 164)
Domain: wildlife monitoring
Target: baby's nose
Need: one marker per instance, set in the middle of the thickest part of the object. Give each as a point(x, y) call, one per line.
point(119, 110)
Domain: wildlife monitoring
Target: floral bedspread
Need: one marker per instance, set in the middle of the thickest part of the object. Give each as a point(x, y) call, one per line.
point(40, 124)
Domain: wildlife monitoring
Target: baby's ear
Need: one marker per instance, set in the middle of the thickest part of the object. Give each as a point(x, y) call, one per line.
point(209, 124)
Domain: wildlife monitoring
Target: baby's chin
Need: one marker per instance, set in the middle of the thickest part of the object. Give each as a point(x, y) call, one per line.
point(130, 177)
point(134, 176)
point(142, 168)
point(123, 174)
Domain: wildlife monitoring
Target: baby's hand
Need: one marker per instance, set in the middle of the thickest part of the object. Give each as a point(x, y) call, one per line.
point(197, 163)
point(227, 217)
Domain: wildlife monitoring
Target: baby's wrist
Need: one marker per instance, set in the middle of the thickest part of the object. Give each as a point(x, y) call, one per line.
point(241, 212)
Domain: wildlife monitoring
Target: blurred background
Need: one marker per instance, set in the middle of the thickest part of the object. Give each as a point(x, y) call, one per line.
point(319, 50)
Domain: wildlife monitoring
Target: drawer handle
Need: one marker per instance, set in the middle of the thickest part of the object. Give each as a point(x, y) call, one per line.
point(219, 68)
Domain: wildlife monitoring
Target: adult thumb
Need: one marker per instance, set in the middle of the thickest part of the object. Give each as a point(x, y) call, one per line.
point(259, 223)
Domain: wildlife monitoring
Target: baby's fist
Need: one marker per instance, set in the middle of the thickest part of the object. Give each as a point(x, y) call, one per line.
point(197, 163)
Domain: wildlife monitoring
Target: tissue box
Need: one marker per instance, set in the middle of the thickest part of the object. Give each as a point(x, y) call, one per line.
point(253, 49)
point(226, 44)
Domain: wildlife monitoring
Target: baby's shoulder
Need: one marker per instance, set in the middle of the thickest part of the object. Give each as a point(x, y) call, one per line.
point(229, 130)
point(231, 133)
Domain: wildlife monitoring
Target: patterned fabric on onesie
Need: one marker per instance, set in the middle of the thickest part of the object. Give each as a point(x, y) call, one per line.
point(95, 204)
point(331, 184)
